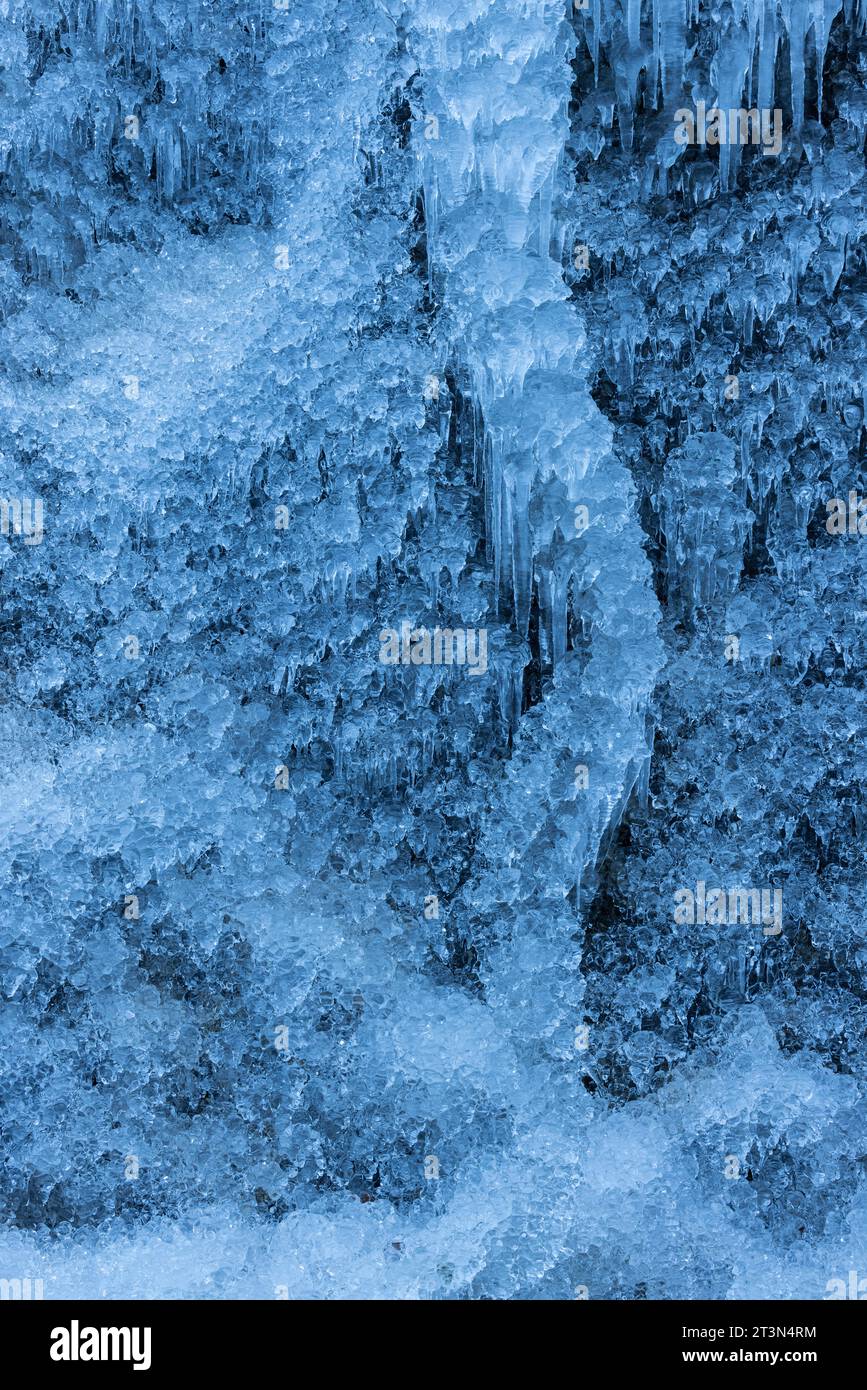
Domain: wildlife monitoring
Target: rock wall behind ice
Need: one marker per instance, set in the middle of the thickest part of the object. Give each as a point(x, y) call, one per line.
point(325, 977)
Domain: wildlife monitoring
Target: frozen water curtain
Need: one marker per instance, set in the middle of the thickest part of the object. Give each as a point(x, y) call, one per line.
point(434, 521)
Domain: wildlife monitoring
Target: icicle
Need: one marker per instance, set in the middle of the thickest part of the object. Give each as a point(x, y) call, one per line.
point(729, 71)
point(824, 13)
point(546, 644)
point(597, 25)
point(559, 611)
point(633, 22)
point(796, 23)
point(657, 31)
point(672, 34)
point(522, 560)
point(768, 40)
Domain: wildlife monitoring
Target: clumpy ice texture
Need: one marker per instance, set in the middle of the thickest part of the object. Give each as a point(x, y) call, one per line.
point(330, 976)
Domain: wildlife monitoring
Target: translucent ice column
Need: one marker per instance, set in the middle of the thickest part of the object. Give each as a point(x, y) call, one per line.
point(561, 530)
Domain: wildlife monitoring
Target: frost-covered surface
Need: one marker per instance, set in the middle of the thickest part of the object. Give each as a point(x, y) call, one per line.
point(328, 978)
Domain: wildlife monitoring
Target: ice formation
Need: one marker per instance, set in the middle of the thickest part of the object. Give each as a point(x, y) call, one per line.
point(329, 977)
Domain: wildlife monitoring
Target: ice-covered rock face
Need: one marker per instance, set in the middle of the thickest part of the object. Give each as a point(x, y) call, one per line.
point(413, 415)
